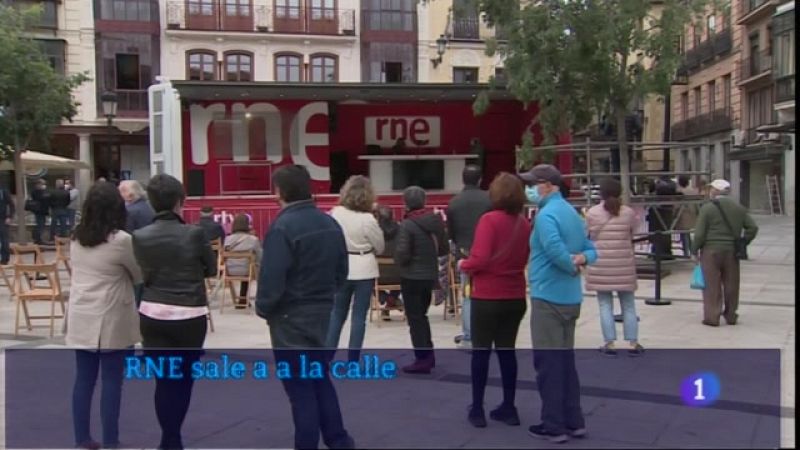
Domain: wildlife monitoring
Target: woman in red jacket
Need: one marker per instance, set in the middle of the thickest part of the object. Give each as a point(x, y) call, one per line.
point(496, 265)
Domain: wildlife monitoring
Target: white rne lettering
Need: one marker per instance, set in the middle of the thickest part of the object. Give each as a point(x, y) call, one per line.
point(300, 140)
point(416, 131)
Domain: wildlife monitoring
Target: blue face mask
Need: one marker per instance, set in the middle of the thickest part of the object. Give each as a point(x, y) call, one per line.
point(532, 192)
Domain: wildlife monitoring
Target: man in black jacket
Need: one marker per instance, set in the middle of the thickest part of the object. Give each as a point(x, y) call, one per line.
point(463, 213)
point(304, 265)
point(40, 207)
point(59, 204)
point(212, 229)
point(7, 212)
point(420, 242)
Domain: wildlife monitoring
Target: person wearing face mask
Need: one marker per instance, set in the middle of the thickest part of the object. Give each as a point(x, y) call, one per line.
point(559, 250)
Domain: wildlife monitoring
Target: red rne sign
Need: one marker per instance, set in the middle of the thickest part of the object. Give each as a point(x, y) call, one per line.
point(416, 131)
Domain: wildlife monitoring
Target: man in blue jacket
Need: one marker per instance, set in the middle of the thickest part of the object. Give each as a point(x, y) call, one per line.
point(304, 264)
point(559, 250)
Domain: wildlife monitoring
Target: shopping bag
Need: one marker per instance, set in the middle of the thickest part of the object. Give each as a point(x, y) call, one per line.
point(697, 282)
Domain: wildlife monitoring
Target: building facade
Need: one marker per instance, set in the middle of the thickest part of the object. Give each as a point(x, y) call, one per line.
point(783, 30)
point(705, 106)
point(464, 32)
point(759, 156)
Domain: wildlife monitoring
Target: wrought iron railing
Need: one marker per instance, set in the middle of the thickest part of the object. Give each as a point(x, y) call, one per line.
point(389, 20)
point(704, 124)
point(755, 65)
point(260, 16)
point(466, 28)
point(784, 89)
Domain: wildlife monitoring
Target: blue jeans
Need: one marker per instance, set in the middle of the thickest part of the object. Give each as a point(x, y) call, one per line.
point(59, 223)
point(630, 324)
point(359, 292)
point(88, 364)
point(71, 214)
point(465, 309)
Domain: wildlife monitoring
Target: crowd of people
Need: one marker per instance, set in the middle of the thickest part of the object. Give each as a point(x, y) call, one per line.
point(139, 276)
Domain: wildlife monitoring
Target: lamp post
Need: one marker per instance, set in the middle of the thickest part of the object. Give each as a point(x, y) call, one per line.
point(441, 46)
point(109, 100)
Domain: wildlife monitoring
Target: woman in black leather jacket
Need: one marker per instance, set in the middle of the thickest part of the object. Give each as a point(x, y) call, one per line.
point(420, 241)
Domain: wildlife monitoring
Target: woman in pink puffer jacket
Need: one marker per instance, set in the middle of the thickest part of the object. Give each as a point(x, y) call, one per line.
point(610, 225)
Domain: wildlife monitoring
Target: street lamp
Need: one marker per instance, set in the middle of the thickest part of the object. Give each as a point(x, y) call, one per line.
point(441, 46)
point(109, 100)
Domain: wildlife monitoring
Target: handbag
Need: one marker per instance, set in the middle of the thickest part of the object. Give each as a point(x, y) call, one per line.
point(697, 281)
point(31, 205)
point(739, 243)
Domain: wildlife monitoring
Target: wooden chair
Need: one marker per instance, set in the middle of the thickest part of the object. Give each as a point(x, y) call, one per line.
point(8, 281)
point(375, 304)
point(212, 287)
point(228, 279)
point(19, 254)
point(28, 291)
point(453, 300)
point(62, 253)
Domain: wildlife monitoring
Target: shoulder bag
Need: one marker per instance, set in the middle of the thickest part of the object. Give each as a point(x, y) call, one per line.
point(739, 243)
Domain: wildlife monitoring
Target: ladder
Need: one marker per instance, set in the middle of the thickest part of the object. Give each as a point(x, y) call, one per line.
point(774, 193)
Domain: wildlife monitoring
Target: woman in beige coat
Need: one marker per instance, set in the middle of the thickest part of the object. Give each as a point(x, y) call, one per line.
point(102, 322)
point(242, 239)
point(610, 225)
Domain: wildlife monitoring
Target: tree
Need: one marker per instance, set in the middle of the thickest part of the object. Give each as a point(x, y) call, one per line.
point(580, 59)
point(33, 97)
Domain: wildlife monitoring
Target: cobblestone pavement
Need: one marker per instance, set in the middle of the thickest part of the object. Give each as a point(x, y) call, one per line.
point(767, 317)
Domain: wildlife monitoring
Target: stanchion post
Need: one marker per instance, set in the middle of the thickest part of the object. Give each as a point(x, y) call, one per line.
point(657, 301)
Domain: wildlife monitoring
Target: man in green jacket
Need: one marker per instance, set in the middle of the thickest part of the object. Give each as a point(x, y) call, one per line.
point(714, 245)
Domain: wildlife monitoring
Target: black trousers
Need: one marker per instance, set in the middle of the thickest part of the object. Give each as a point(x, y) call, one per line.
point(183, 338)
point(5, 250)
point(494, 324)
point(417, 301)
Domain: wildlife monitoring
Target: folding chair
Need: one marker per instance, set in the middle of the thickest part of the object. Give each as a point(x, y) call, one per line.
point(28, 291)
point(19, 254)
point(216, 247)
point(375, 304)
point(453, 300)
point(8, 282)
point(62, 253)
point(228, 279)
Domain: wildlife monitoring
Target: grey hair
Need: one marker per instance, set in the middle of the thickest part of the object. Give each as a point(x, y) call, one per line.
point(134, 188)
point(414, 197)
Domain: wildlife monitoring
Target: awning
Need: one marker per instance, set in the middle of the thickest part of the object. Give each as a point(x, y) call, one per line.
point(36, 160)
point(370, 92)
point(787, 127)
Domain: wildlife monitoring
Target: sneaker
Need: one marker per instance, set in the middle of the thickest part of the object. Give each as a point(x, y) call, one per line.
point(385, 315)
point(710, 324)
point(579, 433)
point(420, 366)
point(608, 350)
point(464, 344)
point(538, 431)
point(636, 350)
point(458, 338)
point(477, 417)
point(506, 414)
point(733, 320)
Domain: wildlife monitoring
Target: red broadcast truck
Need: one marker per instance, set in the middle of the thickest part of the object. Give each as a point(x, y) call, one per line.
point(224, 140)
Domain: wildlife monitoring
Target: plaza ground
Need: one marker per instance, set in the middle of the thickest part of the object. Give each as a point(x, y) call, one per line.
point(767, 321)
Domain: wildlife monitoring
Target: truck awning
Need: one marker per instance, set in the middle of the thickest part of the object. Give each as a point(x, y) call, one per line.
point(341, 92)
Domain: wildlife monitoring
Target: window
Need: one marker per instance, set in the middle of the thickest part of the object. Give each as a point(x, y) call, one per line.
point(287, 9)
point(54, 51)
point(202, 66)
point(784, 55)
point(324, 69)
point(237, 8)
point(127, 69)
point(500, 75)
point(711, 24)
point(393, 72)
point(238, 66)
point(201, 7)
point(712, 96)
point(697, 97)
point(390, 15)
point(323, 9)
point(465, 74)
point(697, 35)
point(129, 10)
point(287, 68)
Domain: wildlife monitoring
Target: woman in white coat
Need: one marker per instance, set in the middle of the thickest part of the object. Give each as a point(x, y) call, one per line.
point(364, 239)
point(102, 322)
point(611, 226)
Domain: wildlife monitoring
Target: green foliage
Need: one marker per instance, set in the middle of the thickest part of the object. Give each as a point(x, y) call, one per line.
point(582, 58)
point(33, 97)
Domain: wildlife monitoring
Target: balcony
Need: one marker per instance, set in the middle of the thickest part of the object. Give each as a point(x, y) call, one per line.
point(466, 28)
point(754, 10)
point(130, 103)
point(389, 21)
point(259, 17)
point(784, 89)
point(755, 67)
point(127, 10)
point(714, 122)
point(719, 44)
point(49, 17)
